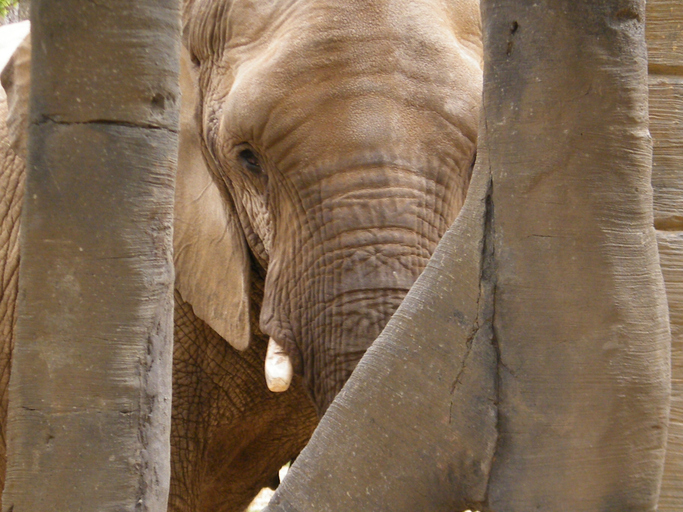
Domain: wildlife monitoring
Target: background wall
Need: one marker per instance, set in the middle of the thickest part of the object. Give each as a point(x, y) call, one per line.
point(665, 46)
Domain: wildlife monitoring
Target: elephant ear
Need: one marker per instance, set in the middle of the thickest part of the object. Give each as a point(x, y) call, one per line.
point(15, 60)
point(210, 253)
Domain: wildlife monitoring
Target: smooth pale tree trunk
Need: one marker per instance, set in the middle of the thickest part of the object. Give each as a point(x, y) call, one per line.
point(528, 368)
point(90, 389)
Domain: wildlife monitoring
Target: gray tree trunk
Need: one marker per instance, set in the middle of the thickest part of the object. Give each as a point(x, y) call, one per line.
point(90, 389)
point(528, 368)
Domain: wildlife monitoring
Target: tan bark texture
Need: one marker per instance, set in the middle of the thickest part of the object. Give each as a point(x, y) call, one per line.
point(90, 388)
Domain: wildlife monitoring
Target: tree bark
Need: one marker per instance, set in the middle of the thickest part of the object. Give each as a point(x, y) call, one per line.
point(90, 389)
point(528, 368)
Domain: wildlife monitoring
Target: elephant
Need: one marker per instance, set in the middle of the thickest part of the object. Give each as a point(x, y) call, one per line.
point(345, 136)
point(324, 151)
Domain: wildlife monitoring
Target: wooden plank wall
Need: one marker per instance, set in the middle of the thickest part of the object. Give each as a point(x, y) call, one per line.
point(664, 34)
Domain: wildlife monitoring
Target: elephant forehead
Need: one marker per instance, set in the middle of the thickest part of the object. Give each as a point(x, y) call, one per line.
point(338, 58)
point(214, 27)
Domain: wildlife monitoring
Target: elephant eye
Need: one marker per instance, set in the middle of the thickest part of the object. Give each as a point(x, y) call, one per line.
point(250, 160)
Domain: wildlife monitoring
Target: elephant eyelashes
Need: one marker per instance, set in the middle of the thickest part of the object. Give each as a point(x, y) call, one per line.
point(250, 161)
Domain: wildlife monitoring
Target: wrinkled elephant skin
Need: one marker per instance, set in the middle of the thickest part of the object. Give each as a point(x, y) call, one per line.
point(345, 135)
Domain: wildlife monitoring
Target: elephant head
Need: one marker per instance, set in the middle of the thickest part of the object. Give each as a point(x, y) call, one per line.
point(340, 139)
point(325, 146)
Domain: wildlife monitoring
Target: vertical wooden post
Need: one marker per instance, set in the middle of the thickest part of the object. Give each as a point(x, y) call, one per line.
point(90, 390)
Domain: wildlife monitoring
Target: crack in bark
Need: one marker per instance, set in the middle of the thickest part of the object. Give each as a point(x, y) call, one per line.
point(468, 342)
point(489, 279)
point(104, 122)
point(484, 317)
point(483, 333)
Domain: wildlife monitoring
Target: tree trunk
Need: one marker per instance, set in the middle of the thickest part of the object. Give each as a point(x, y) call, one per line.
point(528, 368)
point(90, 390)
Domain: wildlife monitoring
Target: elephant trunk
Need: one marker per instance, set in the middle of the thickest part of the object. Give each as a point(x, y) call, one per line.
point(358, 251)
point(339, 330)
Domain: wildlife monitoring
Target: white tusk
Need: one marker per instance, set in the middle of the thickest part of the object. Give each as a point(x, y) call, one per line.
point(279, 369)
